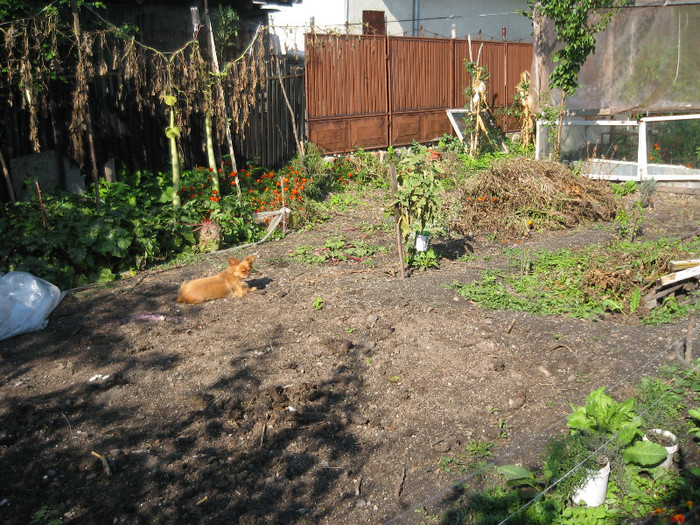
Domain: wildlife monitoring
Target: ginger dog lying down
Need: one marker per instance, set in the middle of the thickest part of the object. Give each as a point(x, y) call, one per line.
point(225, 284)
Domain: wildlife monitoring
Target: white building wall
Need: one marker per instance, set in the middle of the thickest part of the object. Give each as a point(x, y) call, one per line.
point(480, 18)
point(483, 19)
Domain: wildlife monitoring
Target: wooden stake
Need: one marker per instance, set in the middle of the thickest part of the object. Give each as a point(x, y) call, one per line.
point(397, 216)
point(689, 340)
point(45, 222)
point(300, 146)
point(8, 180)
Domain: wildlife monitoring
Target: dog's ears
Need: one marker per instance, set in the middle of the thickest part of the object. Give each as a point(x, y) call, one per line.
point(232, 261)
point(250, 259)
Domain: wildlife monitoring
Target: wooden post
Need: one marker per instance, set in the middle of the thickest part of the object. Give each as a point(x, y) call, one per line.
point(397, 216)
point(88, 120)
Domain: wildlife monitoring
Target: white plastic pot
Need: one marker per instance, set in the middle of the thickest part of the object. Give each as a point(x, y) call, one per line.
point(594, 487)
point(422, 242)
point(671, 450)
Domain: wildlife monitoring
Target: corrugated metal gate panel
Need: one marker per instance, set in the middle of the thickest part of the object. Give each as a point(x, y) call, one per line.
point(345, 76)
point(424, 126)
point(347, 134)
point(419, 73)
point(519, 59)
point(374, 91)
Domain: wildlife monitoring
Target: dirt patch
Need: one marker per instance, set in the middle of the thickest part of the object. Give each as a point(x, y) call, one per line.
point(277, 409)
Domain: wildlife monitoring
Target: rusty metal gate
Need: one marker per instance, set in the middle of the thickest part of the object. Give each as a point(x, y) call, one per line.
point(373, 91)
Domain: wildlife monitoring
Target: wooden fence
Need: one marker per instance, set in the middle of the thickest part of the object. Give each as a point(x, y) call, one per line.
point(374, 91)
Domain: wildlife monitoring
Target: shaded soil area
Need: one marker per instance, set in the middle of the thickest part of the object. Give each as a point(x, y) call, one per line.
point(285, 408)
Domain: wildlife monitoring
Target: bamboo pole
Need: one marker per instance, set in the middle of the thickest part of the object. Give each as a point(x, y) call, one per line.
point(88, 119)
point(300, 146)
point(220, 89)
point(8, 180)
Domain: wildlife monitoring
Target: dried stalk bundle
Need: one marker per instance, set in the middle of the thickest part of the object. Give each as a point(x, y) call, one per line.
point(38, 49)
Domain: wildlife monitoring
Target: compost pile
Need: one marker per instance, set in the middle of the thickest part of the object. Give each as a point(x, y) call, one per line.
point(518, 195)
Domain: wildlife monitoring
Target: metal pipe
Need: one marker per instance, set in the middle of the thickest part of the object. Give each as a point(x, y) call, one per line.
point(416, 17)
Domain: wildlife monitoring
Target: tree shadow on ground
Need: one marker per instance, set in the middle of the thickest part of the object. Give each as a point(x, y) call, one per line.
point(104, 418)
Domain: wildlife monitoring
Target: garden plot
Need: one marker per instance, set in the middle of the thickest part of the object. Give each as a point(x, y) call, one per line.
point(331, 395)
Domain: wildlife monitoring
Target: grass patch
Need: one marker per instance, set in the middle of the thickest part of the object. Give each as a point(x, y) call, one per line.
point(582, 283)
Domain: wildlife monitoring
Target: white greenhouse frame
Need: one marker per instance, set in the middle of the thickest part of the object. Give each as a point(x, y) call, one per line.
point(640, 169)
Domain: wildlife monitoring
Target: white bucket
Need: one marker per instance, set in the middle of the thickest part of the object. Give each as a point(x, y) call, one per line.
point(593, 489)
point(422, 242)
point(670, 451)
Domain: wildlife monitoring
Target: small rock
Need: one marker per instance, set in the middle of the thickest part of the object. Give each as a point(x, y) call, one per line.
point(442, 446)
point(90, 477)
point(517, 401)
point(51, 473)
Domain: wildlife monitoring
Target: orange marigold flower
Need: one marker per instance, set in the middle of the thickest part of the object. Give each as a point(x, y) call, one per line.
point(677, 518)
point(658, 510)
point(250, 191)
point(689, 503)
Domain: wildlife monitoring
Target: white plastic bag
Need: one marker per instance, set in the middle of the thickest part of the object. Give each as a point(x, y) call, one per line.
point(25, 303)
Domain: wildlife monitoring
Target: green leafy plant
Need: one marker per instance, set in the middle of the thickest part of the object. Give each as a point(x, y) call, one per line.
point(670, 310)
point(603, 415)
point(423, 260)
point(659, 404)
point(46, 515)
point(336, 248)
point(624, 188)
point(694, 429)
point(318, 303)
point(418, 195)
point(629, 221)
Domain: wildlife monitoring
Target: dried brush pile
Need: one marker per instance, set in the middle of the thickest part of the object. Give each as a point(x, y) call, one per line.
point(519, 194)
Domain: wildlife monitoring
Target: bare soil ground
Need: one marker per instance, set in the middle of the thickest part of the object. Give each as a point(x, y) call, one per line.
point(268, 409)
